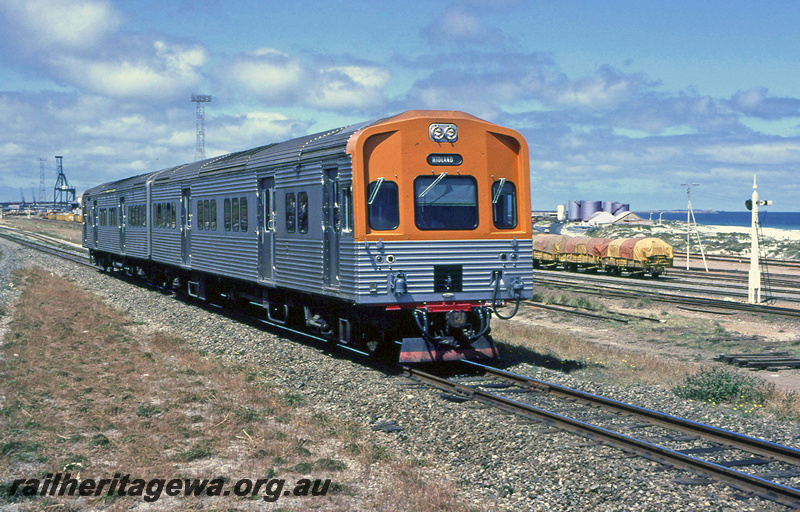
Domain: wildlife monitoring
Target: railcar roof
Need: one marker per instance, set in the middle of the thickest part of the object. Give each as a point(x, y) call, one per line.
point(291, 152)
point(124, 183)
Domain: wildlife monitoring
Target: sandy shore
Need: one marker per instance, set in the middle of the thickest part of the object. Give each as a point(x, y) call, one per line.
point(778, 234)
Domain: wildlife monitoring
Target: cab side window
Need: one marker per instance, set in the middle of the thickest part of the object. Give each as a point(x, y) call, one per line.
point(383, 205)
point(504, 204)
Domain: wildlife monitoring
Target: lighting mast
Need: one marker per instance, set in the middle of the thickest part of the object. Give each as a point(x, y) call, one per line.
point(200, 146)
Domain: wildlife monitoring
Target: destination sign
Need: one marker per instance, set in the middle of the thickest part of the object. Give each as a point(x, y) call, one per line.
point(445, 159)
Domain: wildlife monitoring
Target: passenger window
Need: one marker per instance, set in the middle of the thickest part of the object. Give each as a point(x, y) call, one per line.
point(302, 212)
point(347, 209)
point(200, 215)
point(383, 205)
point(504, 204)
point(158, 215)
point(226, 214)
point(174, 211)
point(290, 212)
point(168, 215)
point(213, 216)
point(445, 202)
point(243, 213)
point(235, 213)
point(206, 212)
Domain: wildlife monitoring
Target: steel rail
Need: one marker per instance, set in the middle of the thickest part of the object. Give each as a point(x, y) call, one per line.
point(782, 494)
point(81, 259)
point(741, 259)
point(708, 432)
point(609, 291)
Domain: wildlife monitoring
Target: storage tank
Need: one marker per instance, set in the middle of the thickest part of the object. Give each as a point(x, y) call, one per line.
point(608, 206)
point(574, 210)
point(589, 208)
point(561, 214)
point(617, 208)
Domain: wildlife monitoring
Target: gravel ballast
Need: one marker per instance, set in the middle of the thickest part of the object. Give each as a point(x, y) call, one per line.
point(498, 461)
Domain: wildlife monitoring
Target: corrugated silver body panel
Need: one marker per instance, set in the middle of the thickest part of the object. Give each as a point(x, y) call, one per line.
point(416, 259)
point(226, 253)
point(298, 263)
point(135, 237)
point(166, 242)
point(225, 256)
point(108, 236)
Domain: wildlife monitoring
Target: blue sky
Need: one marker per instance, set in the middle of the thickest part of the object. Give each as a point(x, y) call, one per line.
point(619, 100)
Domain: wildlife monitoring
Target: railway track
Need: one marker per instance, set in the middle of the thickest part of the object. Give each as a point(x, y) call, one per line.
point(783, 283)
point(597, 418)
point(658, 291)
point(670, 440)
point(681, 257)
point(47, 245)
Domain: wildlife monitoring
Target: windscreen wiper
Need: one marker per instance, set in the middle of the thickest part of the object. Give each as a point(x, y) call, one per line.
point(499, 191)
point(437, 180)
point(374, 193)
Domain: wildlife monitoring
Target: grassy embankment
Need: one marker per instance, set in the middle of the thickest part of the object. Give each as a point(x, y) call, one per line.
point(89, 392)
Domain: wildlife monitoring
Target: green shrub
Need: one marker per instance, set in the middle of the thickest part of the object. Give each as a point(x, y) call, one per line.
point(719, 385)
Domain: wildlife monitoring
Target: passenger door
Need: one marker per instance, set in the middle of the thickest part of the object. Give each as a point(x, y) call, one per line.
point(122, 222)
point(266, 221)
point(331, 228)
point(186, 225)
point(94, 224)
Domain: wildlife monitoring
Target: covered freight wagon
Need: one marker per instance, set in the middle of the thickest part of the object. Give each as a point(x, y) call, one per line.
point(547, 250)
point(638, 255)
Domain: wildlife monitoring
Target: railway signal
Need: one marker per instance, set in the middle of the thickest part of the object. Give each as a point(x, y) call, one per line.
point(754, 277)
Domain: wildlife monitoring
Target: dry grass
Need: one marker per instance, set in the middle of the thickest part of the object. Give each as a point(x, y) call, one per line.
point(91, 393)
point(521, 340)
point(588, 359)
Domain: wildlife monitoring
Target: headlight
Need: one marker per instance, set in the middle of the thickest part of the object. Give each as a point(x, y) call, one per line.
point(443, 132)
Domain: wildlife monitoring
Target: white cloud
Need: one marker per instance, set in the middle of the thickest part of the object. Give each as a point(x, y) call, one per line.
point(267, 73)
point(281, 79)
point(11, 149)
point(765, 153)
point(460, 25)
point(357, 87)
point(63, 24)
point(597, 92)
point(231, 134)
point(168, 70)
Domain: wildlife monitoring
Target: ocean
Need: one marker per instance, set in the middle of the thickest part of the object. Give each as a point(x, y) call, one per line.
point(768, 219)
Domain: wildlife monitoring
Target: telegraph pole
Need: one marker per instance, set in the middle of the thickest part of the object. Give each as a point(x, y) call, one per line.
point(690, 223)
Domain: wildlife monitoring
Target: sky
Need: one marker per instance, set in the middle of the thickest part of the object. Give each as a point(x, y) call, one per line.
point(618, 100)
